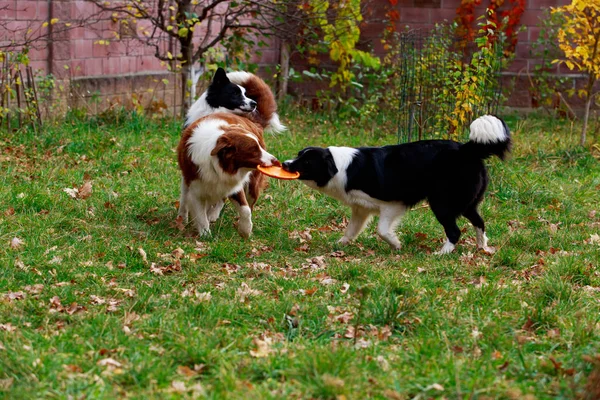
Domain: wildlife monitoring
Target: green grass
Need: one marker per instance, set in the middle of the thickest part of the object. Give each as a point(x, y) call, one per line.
point(522, 322)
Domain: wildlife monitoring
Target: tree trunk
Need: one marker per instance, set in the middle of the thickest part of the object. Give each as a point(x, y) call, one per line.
point(586, 115)
point(284, 61)
point(185, 99)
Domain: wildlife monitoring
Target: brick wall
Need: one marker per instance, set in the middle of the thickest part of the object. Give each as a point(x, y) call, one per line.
point(110, 72)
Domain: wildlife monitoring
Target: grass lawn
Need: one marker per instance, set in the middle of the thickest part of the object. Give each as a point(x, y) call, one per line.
point(104, 296)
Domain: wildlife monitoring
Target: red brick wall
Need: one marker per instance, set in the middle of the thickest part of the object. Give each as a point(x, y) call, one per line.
point(78, 55)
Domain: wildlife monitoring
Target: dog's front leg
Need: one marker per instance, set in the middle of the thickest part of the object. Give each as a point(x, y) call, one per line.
point(215, 210)
point(199, 213)
point(245, 223)
point(358, 221)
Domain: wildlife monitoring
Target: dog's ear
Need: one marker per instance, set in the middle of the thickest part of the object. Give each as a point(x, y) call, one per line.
point(220, 78)
point(331, 167)
point(223, 145)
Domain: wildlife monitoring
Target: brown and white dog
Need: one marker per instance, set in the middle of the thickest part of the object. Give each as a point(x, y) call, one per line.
point(221, 146)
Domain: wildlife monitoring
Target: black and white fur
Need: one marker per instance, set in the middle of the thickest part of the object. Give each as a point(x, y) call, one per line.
point(226, 93)
point(388, 180)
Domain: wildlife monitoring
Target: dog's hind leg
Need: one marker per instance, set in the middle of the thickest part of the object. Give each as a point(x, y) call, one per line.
point(482, 240)
point(389, 217)
point(241, 204)
point(183, 206)
point(358, 221)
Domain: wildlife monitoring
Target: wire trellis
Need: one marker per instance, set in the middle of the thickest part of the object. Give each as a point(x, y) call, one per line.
point(427, 100)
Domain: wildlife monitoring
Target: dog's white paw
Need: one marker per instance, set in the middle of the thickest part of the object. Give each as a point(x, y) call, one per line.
point(245, 227)
point(447, 248)
point(344, 241)
point(204, 231)
point(488, 249)
point(396, 246)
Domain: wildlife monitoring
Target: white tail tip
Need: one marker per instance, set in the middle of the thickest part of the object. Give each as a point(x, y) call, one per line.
point(488, 129)
point(274, 125)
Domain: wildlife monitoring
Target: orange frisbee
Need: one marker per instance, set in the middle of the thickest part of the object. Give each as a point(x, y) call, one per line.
point(278, 172)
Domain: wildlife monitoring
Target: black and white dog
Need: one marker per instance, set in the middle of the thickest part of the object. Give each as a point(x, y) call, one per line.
point(388, 180)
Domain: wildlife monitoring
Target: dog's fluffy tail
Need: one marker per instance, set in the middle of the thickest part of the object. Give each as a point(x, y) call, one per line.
point(489, 136)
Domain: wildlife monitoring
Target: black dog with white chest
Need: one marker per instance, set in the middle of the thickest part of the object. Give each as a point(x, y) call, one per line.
point(388, 180)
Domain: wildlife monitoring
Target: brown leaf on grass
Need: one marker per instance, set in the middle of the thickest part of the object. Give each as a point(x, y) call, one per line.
point(11, 296)
point(245, 291)
point(344, 317)
point(337, 254)
point(8, 327)
point(178, 387)
point(503, 366)
point(85, 191)
point(5, 384)
point(55, 305)
point(257, 252)
point(594, 239)
point(16, 243)
point(231, 268)
point(196, 256)
point(186, 371)
point(178, 223)
point(9, 211)
point(80, 193)
point(324, 279)
point(303, 236)
point(591, 214)
point(110, 363)
point(305, 248)
point(315, 263)
point(393, 395)
point(528, 325)
point(344, 288)
point(75, 308)
point(308, 292)
point(263, 347)
point(178, 253)
point(143, 254)
point(72, 368)
point(34, 289)
point(164, 270)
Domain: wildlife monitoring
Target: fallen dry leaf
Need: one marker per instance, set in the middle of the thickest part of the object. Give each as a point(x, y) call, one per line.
point(244, 292)
point(8, 327)
point(143, 254)
point(345, 287)
point(85, 191)
point(16, 243)
point(10, 296)
point(178, 387)
point(304, 235)
point(109, 362)
point(81, 193)
point(263, 347)
point(186, 371)
point(163, 270)
point(231, 268)
point(594, 239)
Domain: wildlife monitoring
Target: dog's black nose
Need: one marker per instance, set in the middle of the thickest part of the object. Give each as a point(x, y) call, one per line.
point(253, 104)
point(286, 165)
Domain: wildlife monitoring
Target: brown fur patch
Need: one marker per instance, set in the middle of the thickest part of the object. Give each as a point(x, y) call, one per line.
point(259, 91)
